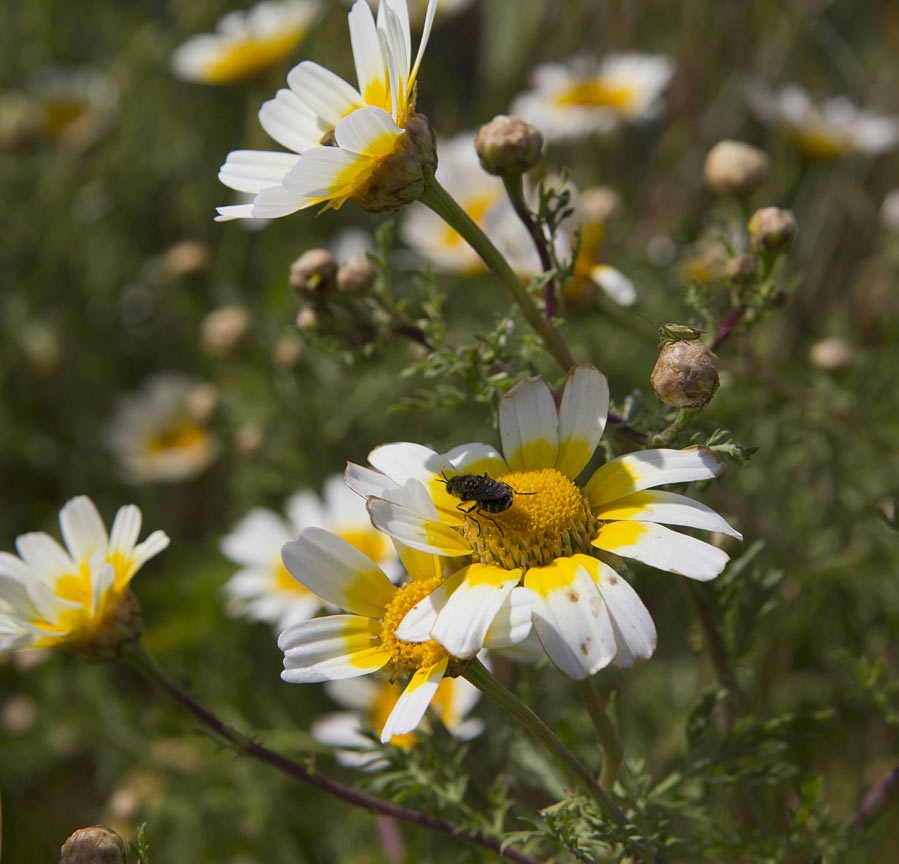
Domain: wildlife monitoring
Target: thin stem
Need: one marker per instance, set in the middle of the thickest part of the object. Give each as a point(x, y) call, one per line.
point(608, 738)
point(734, 317)
point(666, 436)
point(443, 204)
point(480, 676)
point(515, 191)
point(143, 662)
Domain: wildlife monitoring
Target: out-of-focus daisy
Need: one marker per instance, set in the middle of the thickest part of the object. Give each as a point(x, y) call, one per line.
point(826, 130)
point(159, 433)
point(365, 641)
point(370, 703)
point(340, 136)
point(73, 106)
point(77, 597)
point(263, 589)
point(585, 95)
point(547, 538)
point(245, 43)
point(889, 211)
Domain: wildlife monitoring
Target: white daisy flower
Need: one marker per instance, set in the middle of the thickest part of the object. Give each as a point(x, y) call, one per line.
point(74, 106)
point(263, 589)
point(533, 525)
point(362, 127)
point(584, 96)
point(827, 130)
point(159, 433)
point(365, 641)
point(72, 597)
point(371, 701)
point(245, 42)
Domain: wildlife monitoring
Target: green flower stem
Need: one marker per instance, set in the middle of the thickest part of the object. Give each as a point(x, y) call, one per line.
point(443, 204)
point(608, 739)
point(666, 436)
point(135, 654)
point(480, 676)
point(515, 191)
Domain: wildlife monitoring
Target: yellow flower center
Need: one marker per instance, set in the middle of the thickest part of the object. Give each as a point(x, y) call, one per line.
point(244, 59)
point(409, 656)
point(820, 143)
point(549, 518)
point(595, 94)
point(177, 436)
point(61, 113)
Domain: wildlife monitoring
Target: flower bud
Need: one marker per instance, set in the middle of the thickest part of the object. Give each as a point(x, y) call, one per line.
point(831, 354)
point(686, 374)
point(742, 268)
point(400, 177)
point(313, 273)
point(600, 203)
point(307, 318)
point(94, 845)
point(187, 257)
point(222, 329)
point(287, 350)
point(507, 146)
point(735, 168)
point(771, 230)
point(355, 276)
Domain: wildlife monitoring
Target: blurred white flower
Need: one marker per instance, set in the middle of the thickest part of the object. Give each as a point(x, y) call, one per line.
point(370, 702)
point(159, 434)
point(245, 43)
point(584, 95)
point(889, 211)
point(263, 589)
point(826, 130)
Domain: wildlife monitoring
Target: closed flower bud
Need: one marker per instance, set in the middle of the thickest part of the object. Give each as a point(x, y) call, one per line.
point(187, 257)
point(287, 350)
point(735, 168)
point(307, 318)
point(222, 329)
point(94, 845)
point(507, 146)
point(400, 177)
point(686, 374)
point(355, 276)
point(771, 230)
point(313, 273)
point(600, 203)
point(831, 354)
point(742, 268)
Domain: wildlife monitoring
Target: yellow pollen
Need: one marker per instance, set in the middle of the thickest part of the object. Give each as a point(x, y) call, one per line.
point(595, 94)
point(549, 518)
point(409, 656)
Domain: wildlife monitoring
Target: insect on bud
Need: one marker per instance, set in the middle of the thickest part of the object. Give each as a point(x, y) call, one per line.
point(686, 373)
point(771, 230)
point(94, 845)
point(507, 146)
point(742, 269)
point(735, 168)
point(401, 176)
point(355, 276)
point(313, 273)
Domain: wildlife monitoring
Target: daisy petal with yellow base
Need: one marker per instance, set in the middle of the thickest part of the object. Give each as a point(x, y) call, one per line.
point(345, 646)
point(304, 116)
point(245, 43)
point(75, 597)
point(552, 532)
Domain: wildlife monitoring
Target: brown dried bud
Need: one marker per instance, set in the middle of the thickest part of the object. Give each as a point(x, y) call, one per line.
point(735, 168)
point(771, 230)
point(355, 276)
point(313, 274)
point(400, 177)
point(742, 268)
point(202, 402)
point(307, 318)
point(686, 374)
point(222, 329)
point(186, 257)
point(287, 350)
point(94, 845)
point(507, 146)
point(248, 439)
point(831, 354)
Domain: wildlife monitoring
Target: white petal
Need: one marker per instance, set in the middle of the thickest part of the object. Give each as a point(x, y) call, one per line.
point(234, 211)
point(418, 621)
point(414, 701)
point(425, 35)
point(365, 482)
point(615, 284)
point(44, 556)
point(371, 71)
point(582, 418)
point(152, 546)
point(340, 729)
point(125, 530)
point(369, 131)
point(415, 530)
point(637, 471)
point(276, 201)
point(82, 528)
point(336, 571)
point(668, 508)
point(358, 694)
point(403, 461)
point(252, 171)
point(529, 425)
point(304, 510)
point(257, 538)
point(327, 95)
point(512, 624)
point(570, 617)
point(290, 122)
point(475, 458)
point(663, 548)
point(323, 172)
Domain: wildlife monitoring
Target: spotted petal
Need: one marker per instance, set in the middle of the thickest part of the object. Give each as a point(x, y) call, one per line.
point(582, 418)
point(529, 425)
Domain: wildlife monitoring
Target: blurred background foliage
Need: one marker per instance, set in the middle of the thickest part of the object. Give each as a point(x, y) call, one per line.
point(94, 299)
